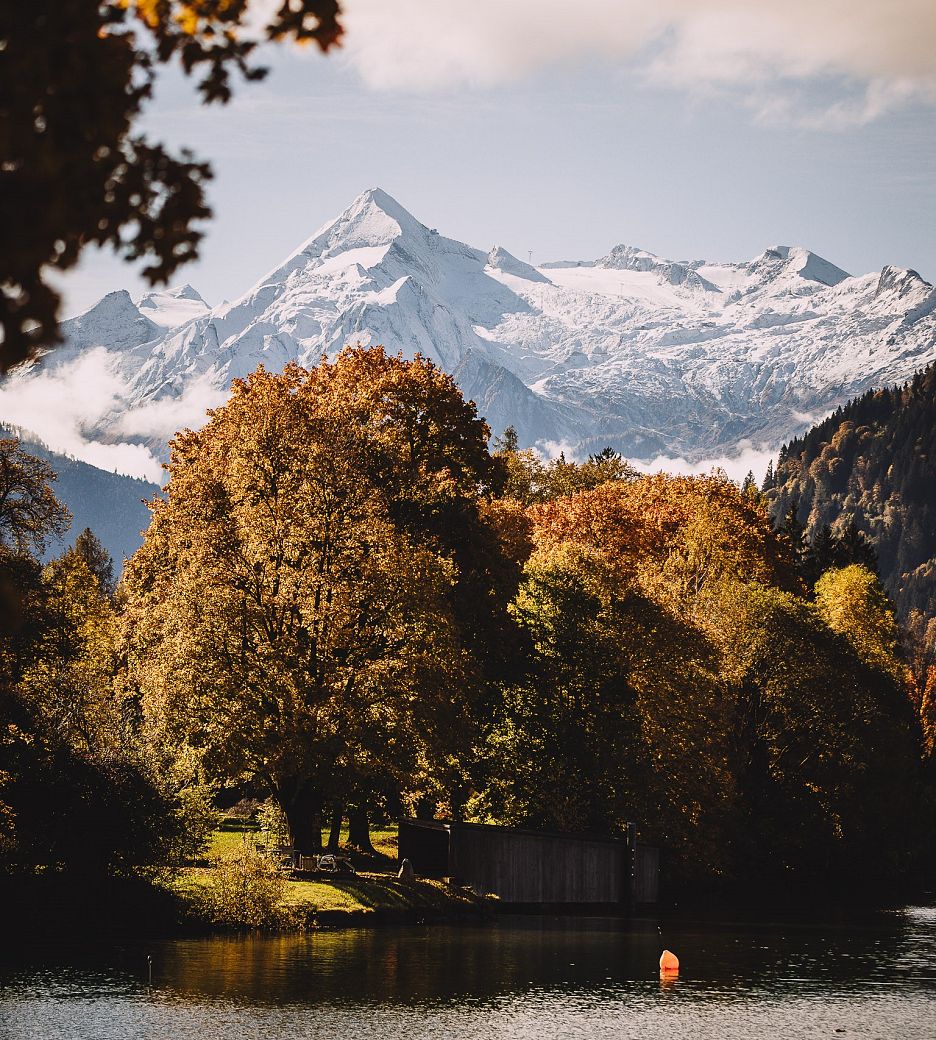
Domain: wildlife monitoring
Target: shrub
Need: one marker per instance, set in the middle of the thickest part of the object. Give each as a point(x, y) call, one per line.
point(244, 888)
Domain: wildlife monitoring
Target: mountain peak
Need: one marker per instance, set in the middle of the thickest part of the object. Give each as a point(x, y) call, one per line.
point(376, 196)
point(185, 292)
point(501, 260)
point(374, 218)
point(114, 321)
point(115, 307)
point(901, 280)
point(799, 261)
point(631, 258)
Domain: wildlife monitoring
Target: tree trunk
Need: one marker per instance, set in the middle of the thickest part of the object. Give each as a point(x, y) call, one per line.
point(334, 835)
point(359, 829)
point(304, 814)
point(426, 809)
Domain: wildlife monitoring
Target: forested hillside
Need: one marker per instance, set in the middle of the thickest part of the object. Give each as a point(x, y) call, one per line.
point(872, 464)
point(111, 504)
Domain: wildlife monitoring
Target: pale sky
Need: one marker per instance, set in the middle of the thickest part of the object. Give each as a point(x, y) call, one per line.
point(693, 130)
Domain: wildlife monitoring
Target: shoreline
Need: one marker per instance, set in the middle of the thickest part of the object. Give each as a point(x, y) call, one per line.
point(120, 907)
point(68, 908)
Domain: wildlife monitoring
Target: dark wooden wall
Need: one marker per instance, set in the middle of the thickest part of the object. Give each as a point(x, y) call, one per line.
point(646, 874)
point(532, 867)
point(525, 867)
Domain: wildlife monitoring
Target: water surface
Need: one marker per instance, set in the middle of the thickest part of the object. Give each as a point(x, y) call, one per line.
point(514, 977)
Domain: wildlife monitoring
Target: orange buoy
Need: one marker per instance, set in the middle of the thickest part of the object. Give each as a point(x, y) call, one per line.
point(669, 963)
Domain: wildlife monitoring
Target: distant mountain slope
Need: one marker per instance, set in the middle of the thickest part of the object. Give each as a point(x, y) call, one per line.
point(649, 355)
point(873, 462)
point(110, 504)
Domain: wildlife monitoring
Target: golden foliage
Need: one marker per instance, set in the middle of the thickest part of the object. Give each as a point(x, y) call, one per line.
point(512, 526)
point(289, 611)
point(852, 602)
point(674, 535)
point(70, 682)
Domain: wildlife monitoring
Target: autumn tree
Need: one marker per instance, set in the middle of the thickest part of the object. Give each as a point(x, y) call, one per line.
point(30, 514)
point(919, 640)
point(565, 477)
point(679, 677)
point(825, 747)
point(428, 451)
point(749, 488)
point(565, 746)
point(75, 76)
point(72, 794)
point(297, 611)
point(868, 473)
point(619, 719)
point(524, 471)
point(70, 679)
point(675, 535)
point(852, 602)
point(63, 809)
point(530, 479)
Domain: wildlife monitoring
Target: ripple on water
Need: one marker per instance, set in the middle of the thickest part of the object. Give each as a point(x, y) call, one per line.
point(515, 978)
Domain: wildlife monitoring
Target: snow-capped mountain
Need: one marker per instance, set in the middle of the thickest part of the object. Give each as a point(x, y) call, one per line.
point(649, 355)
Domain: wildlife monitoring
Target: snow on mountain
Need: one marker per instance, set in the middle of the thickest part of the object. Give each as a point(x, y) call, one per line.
point(114, 321)
point(500, 260)
point(652, 356)
point(173, 307)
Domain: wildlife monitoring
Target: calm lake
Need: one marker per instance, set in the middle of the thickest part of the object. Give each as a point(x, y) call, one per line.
point(514, 977)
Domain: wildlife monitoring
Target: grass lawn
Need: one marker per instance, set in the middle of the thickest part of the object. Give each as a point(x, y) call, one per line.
point(371, 891)
point(364, 892)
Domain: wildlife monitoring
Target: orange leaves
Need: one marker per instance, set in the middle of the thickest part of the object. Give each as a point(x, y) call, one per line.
point(513, 527)
point(687, 530)
point(148, 11)
point(301, 20)
point(603, 519)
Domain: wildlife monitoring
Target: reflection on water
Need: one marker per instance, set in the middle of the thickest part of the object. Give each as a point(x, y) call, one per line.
point(515, 977)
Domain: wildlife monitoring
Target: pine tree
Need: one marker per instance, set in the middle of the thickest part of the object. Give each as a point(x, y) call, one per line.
point(795, 532)
point(99, 561)
point(820, 555)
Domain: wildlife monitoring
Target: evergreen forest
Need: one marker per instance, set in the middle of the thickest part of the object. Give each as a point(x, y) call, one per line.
point(861, 485)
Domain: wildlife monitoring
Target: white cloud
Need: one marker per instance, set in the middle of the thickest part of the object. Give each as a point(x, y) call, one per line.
point(747, 459)
point(164, 417)
point(64, 407)
point(549, 450)
point(68, 407)
point(879, 54)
